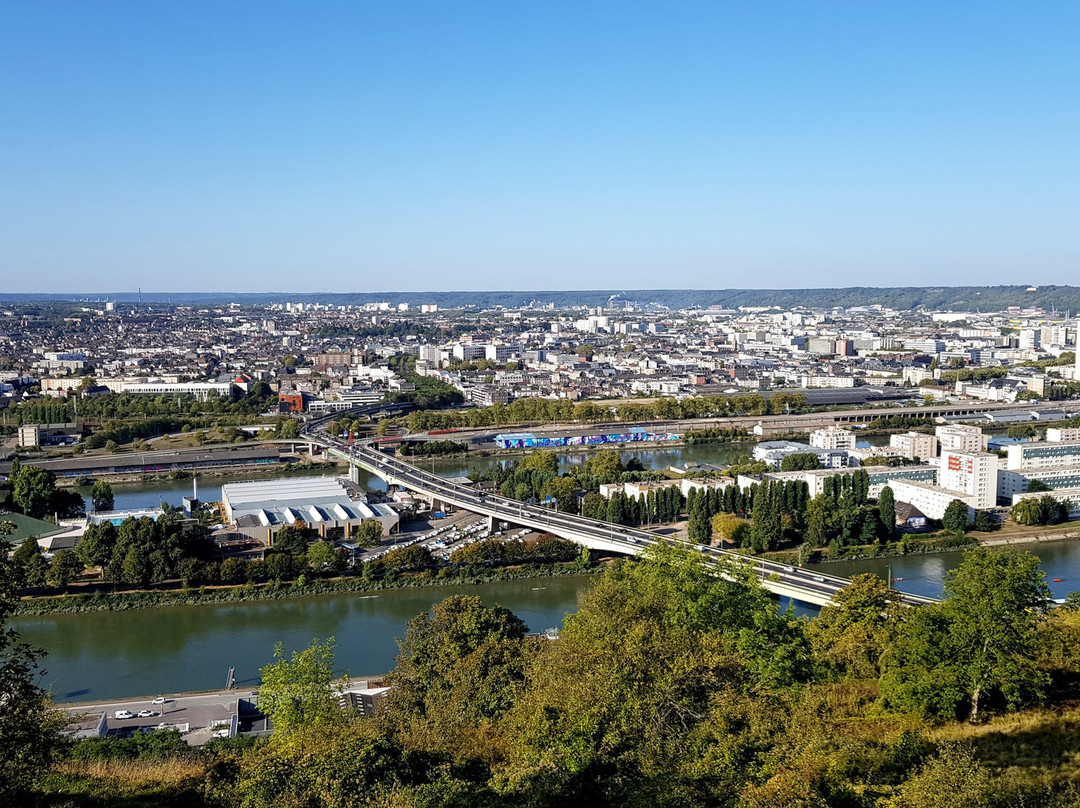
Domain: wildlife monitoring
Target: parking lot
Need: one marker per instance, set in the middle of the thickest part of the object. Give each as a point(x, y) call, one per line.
point(442, 536)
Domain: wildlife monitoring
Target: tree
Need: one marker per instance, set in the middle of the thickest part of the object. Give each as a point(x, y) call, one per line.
point(699, 528)
point(136, 567)
point(851, 634)
point(29, 728)
point(605, 465)
point(953, 779)
point(66, 566)
point(295, 538)
point(321, 556)
point(985, 523)
point(1037, 487)
point(32, 489)
point(301, 693)
point(818, 516)
point(955, 519)
point(1026, 511)
point(234, 570)
point(800, 461)
point(729, 527)
point(101, 496)
point(544, 462)
point(653, 649)
point(886, 504)
point(97, 544)
point(403, 558)
point(459, 670)
point(564, 491)
point(594, 506)
point(981, 640)
point(368, 533)
point(30, 564)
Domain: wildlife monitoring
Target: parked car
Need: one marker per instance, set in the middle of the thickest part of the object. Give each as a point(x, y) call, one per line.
point(147, 713)
point(124, 714)
point(159, 700)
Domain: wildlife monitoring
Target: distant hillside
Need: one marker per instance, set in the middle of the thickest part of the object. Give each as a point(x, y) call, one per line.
point(955, 298)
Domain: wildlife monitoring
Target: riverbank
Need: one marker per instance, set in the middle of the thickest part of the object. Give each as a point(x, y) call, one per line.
point(280, 590)
point(937, 543)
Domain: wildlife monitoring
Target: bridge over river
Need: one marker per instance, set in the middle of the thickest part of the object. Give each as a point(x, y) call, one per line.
point(783, 580)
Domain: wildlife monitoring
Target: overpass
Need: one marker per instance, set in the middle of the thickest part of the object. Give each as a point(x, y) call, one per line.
point(781, 579)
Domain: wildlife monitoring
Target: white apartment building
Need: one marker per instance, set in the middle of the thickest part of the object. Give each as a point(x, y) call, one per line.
point(201, 390)
point(431, 353)
point(1070, 496)
point(1011, 483)
point(931, 500)
point(960, 438)
point(468, 351)
point(915, 444)
point(973, 474)
point(1043, 455)
point(832, 437)
point(1053, 435)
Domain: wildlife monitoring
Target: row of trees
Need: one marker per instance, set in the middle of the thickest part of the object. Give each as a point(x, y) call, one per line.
point(541, 410)
point(656, 506)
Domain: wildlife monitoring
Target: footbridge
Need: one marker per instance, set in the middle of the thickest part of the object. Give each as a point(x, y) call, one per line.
point(782, 580)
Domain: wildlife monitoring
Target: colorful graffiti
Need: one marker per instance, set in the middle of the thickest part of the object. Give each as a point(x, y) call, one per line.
point(527, 440)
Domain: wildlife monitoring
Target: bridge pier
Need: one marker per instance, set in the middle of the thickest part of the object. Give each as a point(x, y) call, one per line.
point(354, 474)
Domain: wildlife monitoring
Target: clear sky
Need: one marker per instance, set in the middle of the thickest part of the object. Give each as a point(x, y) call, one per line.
point(396, 145)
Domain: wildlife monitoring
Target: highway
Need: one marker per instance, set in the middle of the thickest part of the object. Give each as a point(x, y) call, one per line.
point(784, 580)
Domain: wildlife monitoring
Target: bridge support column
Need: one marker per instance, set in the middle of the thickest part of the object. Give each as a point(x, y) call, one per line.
point(354, 474)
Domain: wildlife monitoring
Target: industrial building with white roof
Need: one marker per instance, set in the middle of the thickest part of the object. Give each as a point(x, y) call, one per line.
point(261, 508)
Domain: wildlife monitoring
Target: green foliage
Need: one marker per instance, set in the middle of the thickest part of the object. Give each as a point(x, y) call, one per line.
point(980, 642)
point(955, 519)
point(368, 533)
point(301, 693)
point(101, 496)
point(406, 558)
point(432, 448)
point(1045, 510)
point(886, 504)
point(32, 489)
point(850, 635)
point(321, 556)
point(29, 729)
point(295, 538)
point(539, 410)
point(800, 461)
point(29, 565)
point(64, 568)
point(460, 668)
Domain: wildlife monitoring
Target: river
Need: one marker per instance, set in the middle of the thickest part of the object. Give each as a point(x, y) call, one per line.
point(925, 574)
point(105, 655)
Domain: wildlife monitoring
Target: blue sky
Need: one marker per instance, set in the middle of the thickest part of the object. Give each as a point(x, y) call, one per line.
point(362, 146)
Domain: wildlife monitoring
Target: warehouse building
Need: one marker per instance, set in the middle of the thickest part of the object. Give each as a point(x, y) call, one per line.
point(260, 509)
